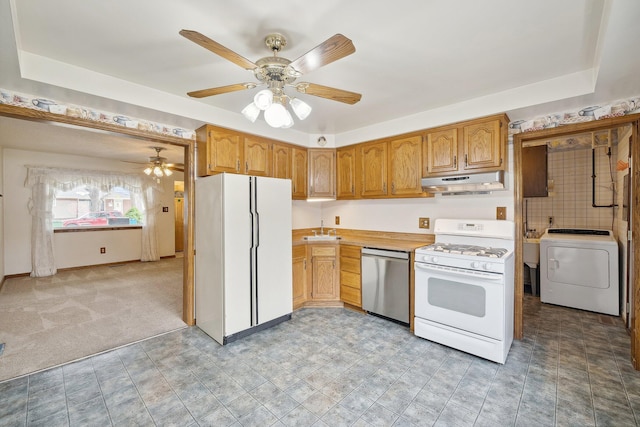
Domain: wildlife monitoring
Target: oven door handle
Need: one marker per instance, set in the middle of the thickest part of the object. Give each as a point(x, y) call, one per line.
point(490, 277)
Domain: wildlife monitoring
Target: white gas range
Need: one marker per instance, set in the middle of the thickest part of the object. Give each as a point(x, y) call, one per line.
point(464, 287)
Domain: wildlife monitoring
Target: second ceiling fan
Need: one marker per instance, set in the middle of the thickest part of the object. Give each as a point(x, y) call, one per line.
point(277, 73)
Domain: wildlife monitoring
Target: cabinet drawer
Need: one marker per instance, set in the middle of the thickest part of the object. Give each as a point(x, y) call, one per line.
point(350, 296)
point(299, 251)
point(351, 265)
point(323, 251)
point(350, 279)
point(350, 251)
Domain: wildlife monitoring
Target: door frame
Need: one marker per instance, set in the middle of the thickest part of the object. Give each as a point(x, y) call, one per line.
point(634, 205)
point(188, 315)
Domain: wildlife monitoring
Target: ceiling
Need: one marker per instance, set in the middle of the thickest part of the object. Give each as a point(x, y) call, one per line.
point(417, 63)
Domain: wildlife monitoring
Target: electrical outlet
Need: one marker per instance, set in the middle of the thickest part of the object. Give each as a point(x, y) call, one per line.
point(165, 209)
point(423, 222)
point(103, 250)
point(501, 212)
point(337, 220)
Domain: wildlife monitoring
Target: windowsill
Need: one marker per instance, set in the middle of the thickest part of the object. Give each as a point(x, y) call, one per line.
point(105, 228)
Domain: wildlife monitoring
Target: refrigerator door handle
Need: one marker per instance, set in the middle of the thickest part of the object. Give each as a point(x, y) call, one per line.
point(255, 240)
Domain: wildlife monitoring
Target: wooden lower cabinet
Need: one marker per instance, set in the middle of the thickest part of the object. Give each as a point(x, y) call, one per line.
point(300, 288)
point(350, 279)
point(316, 275)
point(324, 266)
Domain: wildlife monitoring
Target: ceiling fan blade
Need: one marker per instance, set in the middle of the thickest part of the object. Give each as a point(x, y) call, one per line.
point(325, 53)
point(176, 166)
point(329, 93)
point(222, 89)
point(218, 49)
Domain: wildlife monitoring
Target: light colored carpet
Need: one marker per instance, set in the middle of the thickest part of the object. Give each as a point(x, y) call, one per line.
point(52, 320)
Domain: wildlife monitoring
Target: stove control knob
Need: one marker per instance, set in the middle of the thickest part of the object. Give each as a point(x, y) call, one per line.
point(434, 259)
point(488, 266)
point(475, 264)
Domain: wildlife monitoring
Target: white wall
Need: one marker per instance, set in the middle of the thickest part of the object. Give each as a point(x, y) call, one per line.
point(72, 249)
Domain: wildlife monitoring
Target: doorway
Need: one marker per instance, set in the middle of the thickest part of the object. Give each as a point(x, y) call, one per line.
point(178, 201)
point(619, 170)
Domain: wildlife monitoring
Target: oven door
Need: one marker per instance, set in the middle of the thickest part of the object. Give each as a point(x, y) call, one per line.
point(463, 299)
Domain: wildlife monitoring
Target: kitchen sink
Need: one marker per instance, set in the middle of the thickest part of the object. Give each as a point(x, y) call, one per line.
point(322, 237)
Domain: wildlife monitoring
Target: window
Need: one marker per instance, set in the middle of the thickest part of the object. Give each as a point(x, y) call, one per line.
point(87, 206)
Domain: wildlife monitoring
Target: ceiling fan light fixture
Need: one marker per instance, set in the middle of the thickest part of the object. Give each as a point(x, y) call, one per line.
point(167, 171)
point(288, 120)
point(148, 170)
point(251, 112)
point(263, 99)
point(301, 108)
point(276, 115)
point(157, 171)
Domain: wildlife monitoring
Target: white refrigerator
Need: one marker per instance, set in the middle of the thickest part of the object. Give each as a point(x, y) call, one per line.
point(243, 254)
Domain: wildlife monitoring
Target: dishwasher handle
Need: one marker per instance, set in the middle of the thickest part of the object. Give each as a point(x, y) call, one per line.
point(385, 253)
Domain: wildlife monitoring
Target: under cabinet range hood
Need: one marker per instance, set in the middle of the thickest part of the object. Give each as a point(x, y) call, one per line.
point(475, 183)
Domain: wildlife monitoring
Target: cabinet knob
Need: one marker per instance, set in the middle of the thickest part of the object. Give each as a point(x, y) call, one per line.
point(466, 163)
point(238, 166)
point(455, 161)
point(246, 167)
point(393, 188)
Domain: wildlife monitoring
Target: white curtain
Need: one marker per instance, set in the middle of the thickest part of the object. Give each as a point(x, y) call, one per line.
point(45, 181)
point(42, 255)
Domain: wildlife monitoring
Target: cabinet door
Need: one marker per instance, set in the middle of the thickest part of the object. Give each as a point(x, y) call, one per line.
point(373, 174)
point(299, 173)
point(441, 152)
point(322, 173)
point(257, 157)
point(324, 278)
point(299, 276)
point(405, 170)
point(281, 161)
point(534, 171)
point(482, 145)
point(346, 173)
point(225, 150)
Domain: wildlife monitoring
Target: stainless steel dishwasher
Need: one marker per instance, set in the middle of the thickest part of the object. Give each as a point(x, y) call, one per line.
point(385, 283)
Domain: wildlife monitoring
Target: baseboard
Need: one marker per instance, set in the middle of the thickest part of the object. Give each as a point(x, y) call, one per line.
point(82, 267)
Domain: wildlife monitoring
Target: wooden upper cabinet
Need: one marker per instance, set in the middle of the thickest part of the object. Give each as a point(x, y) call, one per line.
point(405, 165)
point(281, 163)
point(219, 150)
point(440, 152)
point(482, 144)
point(474, 146)
point(373, 169)
point(257, 156)
point(322, 172)
point(299, 173)
point(534, 171)
point(346, 173)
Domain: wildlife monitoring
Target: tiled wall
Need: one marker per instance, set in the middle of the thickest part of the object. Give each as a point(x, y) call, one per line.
point(569, 201)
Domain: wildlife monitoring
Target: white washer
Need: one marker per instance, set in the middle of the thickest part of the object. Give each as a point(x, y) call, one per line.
point(579, 269)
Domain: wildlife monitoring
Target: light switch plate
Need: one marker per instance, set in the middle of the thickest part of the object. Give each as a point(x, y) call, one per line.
point(337, 220)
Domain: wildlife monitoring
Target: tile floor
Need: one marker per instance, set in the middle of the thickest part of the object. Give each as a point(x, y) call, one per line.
point(336, 367)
